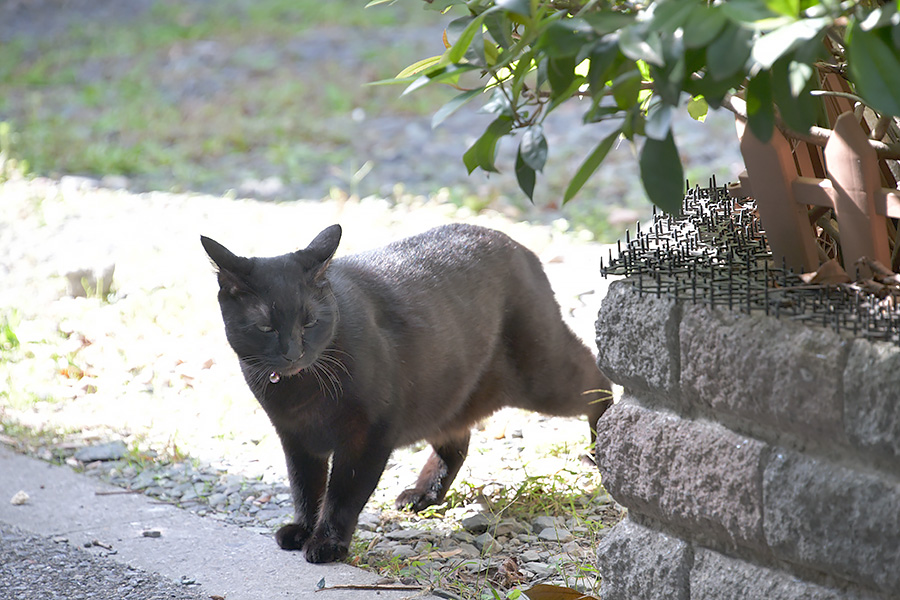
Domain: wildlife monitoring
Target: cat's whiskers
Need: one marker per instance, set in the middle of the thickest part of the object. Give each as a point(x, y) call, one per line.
point(325, 369)
point(260, 370)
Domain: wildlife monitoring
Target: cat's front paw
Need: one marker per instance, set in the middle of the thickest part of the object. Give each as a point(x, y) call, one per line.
point(415, 500)
point(325, 550)
point(292, 536)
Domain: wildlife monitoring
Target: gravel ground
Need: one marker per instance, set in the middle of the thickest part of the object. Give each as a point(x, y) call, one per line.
point(33, 567)
point(148, 365)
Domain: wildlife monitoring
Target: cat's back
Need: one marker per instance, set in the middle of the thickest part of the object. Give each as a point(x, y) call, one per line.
point(443, 253)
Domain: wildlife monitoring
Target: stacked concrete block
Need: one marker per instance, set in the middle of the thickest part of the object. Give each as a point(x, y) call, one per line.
point(757, 457)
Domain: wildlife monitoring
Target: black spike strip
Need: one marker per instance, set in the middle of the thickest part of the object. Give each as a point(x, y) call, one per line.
point(716, 253)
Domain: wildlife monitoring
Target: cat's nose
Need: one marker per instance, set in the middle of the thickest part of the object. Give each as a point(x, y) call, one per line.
point(293, 352)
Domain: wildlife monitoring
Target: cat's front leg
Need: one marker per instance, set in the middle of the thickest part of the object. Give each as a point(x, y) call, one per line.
point(354, 475)
point(308, 475)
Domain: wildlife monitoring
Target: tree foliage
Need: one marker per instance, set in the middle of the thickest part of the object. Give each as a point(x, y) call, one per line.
point(639, 62)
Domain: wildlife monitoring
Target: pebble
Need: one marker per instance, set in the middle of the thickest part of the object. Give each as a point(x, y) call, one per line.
point(552, 534)
point(477, 523)
point(105, 452)
point(19, 498)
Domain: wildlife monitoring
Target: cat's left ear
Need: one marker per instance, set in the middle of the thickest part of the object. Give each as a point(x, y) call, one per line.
point(323, 247)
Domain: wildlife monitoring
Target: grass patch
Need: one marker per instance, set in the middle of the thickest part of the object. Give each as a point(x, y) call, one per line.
point(172, 92)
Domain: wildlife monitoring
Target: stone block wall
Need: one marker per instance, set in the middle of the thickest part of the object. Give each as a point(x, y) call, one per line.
point(757, 457)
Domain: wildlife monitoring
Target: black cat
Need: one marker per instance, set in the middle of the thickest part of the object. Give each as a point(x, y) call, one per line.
point(356, 356)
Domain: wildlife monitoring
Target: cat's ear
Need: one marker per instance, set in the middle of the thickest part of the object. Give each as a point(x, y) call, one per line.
point(323, 247)
point(232, 269)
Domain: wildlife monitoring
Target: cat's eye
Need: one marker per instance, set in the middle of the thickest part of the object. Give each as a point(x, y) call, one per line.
point(312, 323)
point(264, 328)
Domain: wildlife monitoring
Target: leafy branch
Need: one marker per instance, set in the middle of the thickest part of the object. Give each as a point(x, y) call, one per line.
point(639, 62)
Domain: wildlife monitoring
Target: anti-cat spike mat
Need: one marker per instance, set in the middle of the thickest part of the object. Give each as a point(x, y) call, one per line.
point(716, 253)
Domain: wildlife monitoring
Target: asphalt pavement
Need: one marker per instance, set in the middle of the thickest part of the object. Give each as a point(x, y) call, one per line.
point(76, 537)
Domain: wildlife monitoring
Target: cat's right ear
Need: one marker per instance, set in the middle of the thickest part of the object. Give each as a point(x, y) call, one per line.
point(232, 269)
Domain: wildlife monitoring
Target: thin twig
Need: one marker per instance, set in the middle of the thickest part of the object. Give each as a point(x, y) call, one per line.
point(374, 586)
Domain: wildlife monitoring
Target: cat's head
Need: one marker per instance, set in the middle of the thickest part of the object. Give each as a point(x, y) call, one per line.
point(279, 312)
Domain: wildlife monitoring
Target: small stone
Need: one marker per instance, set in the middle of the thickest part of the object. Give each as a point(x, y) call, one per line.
point(543, 522)
point(571, 548)
point(463, 536)
point(217, 499)
point(540, 569)
point(510, 527)
point(19, 498)
point(367, 521)
point(554, 534)
point(487, 544)
point(151, 533)
point(109, 451)
point(402, 551)
point(477, 523)
point(403, 534)
point(468, 550)
point(531, 556)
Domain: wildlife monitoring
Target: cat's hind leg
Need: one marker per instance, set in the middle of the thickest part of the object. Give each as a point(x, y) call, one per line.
point(438, 473)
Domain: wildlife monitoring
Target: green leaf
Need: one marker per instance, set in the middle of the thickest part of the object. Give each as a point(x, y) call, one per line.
point(560, 74)
point(603, 56)
point(587, 168)
point(525, 176)
point(669, 16)
point(714, 91)
point(533, 148)
point(729, 52)
point(418, 67)
point(499, 27)
point(638, 43)
point(790, 91)
point(790, 8)
point(519, 7)
point(770, 47)
point(482, 152)
point(668, 80)
point(498, 104)
point(659, 121)
point(753, 13)
point(662, 174)
point(760, 112)
point(625, 88)
point(521, 68)
point(703, 25)
point(448, 73)
point(874, 64)
point(461, 45)
point(453, 105)
point(564, 38)
point(698, 108)
point(604, 22)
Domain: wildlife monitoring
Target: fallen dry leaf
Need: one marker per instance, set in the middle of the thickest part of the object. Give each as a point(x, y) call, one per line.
point(830, 273)
point(542, 591)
